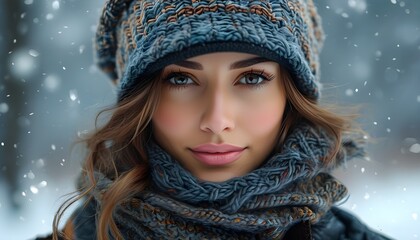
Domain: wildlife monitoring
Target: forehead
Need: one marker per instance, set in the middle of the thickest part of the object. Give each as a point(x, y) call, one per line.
point(228, 60)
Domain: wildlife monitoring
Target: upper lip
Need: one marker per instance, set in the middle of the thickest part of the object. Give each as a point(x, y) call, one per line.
point(217, 148)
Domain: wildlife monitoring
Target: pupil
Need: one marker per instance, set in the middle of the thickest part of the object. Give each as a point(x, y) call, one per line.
point(181, 80)
point(251, 79)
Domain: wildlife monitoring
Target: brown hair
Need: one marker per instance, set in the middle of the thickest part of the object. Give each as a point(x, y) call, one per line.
point(117, 149)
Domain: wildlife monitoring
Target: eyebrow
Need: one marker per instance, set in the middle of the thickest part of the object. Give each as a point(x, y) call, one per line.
point(235, 65)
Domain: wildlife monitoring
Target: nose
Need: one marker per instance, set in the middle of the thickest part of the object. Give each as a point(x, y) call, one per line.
point(218, 113)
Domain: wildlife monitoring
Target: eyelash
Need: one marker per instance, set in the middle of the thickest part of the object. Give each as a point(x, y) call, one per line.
point(260, 73)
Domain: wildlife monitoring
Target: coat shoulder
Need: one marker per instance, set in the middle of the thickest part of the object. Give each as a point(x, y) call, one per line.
point(340, 224)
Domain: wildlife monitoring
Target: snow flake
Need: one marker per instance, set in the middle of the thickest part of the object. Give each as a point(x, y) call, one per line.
point(362, 169)
point(53, 147)
point(56, 5)
point(81, 49)
point(414, 216)
point(33, 53)
point(51, 83)
point(4, 108)
point(394, 1)
point(82, 134)
point(42, 184)
point(415, 148)
point(34, 189)
point(49, 16)
point(358, 5)
point(349, 92)
point(31, 175)
point(418, 98)
point(367, 196)
point(40, 163)
point(29, 2)
point(73, 95)
point(23, 64)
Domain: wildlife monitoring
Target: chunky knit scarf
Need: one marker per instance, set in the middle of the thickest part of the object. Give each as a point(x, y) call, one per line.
point(291, 186)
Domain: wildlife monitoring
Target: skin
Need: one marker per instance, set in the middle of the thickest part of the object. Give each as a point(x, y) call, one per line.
point(218, 104)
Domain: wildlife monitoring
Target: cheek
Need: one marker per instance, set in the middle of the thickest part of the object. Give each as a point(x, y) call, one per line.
point(265, 120)
point(171, 120)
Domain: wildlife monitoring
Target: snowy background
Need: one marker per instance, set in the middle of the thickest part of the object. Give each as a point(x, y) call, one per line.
point(50, 92)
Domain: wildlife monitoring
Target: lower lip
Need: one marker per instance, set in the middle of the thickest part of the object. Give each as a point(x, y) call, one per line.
point(217, 159)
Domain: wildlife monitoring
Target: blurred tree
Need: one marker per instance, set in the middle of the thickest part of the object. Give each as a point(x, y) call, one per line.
point(11, 89)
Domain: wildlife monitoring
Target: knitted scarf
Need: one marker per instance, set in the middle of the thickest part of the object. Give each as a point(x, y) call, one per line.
point(291, 186)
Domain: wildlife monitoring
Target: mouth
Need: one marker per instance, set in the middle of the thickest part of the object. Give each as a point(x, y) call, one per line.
point(217, 154)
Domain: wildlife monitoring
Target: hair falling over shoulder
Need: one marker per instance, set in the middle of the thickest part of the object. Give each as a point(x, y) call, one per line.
point(118, 148)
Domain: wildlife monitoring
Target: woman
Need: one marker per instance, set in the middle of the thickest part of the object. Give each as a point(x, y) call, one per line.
point(217, 132)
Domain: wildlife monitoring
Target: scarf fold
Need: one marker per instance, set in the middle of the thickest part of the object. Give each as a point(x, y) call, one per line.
point(291, 186)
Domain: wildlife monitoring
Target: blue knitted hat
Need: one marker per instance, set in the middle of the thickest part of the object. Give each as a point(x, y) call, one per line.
point(136, 38)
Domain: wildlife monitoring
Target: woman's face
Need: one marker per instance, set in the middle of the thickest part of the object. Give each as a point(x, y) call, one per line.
point(220, 113)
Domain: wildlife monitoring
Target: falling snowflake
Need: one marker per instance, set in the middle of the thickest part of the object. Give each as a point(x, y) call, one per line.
point(42, 184)
point(56, 5)
point(34, 189)
point(51, 83)
point(4, 108)
point(30, 175)
point(73, 95)
point(367, 196)
point(415, 148)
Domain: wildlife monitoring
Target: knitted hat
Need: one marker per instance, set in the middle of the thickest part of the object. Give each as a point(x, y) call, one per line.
point(135, 38)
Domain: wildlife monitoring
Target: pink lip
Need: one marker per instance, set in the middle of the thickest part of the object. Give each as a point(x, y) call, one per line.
point(217, 154)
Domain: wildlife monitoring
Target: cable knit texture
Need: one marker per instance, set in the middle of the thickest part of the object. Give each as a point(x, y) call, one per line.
point(138, 37)
point(291, 186)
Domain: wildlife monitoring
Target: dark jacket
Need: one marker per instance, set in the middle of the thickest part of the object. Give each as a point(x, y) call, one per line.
point(335, 224)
